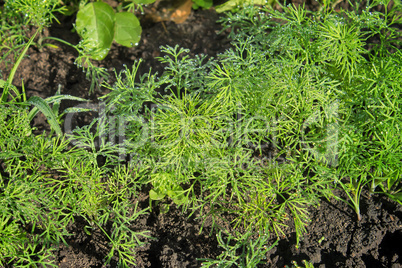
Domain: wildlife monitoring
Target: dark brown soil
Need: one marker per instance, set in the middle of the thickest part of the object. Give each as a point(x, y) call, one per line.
point(334, 238)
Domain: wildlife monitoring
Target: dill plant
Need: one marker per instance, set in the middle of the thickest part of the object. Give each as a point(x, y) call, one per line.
point(334, 52)
point(45, 187)
point(249, 140)
point(253, 251)
point(205, 133)
point(307, 92)
point(350, 64)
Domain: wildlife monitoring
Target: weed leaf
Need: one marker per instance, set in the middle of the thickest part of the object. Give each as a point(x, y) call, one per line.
point(95, 24)
point(156, 195)
point(127, 29)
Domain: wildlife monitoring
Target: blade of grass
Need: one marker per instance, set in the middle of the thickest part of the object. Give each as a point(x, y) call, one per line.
point(10, 78)
point(53, 99)
point(44, 107)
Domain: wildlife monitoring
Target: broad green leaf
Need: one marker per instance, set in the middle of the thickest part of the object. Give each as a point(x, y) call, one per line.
point(178, 198)
point(177, 195)
point(127, 29)
point(95, 24)
point(47, 111)
point(154, 195)
point(202, 3)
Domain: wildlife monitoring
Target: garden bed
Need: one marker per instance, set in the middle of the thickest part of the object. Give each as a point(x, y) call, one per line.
point(334, 237)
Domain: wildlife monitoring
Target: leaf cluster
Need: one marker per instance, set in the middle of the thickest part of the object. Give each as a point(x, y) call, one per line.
point(314, 95)
point(46, 187)
point(303, 102)
point(99, 25)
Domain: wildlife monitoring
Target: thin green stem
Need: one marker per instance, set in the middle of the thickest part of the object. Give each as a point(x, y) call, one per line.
point(10, 78)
